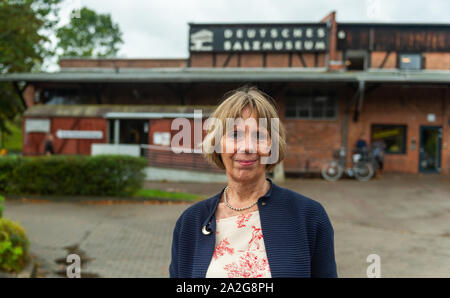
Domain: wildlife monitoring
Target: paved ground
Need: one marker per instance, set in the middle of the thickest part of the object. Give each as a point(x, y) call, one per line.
point(405, 219)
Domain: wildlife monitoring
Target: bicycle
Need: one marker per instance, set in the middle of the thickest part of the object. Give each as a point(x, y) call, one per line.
point(363, 167)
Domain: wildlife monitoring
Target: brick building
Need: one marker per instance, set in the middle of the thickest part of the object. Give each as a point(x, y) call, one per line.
point(333, 82)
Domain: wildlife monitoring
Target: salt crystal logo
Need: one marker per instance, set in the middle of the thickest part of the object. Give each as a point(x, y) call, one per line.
point(202, 40)
point(374, 269)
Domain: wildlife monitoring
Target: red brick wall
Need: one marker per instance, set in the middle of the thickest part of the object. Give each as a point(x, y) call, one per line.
point(33, 143)
point(255, 60)
point(404, 106)
point(377, 59)
point(122, 63)
point(437, 61)
point(310, 143)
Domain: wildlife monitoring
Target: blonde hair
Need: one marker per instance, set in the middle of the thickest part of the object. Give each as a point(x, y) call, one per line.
point(232, 107)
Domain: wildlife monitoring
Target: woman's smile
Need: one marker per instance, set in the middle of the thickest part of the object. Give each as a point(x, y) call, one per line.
point(246, 163)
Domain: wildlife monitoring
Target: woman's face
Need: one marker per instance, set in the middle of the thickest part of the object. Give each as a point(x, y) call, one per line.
point(243, 149)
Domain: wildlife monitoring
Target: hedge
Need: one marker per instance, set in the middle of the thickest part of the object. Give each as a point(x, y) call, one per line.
point(100, 175)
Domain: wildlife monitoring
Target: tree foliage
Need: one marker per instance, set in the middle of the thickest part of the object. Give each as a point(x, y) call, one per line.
point(89, 35)
point(22, 46)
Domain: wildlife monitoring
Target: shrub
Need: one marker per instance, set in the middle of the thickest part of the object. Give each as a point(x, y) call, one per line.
point(110, 175)
point(14, 246)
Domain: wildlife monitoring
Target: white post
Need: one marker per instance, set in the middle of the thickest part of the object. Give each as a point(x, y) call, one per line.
point(278, 173)
point(116, 131)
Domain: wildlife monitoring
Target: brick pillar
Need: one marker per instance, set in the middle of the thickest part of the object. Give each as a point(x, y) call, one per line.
point(28, 95)
point(332, 63)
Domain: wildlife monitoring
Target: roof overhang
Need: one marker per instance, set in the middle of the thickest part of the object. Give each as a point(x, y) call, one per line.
point(120, 111)
point(224, 75)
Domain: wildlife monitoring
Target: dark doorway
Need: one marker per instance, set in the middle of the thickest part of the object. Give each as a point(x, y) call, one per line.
point(133, 131)
point(430, 149)
point(128, 131)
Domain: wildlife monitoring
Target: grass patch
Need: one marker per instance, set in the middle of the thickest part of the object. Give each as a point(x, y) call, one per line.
point(13, 142)
point(156, 193)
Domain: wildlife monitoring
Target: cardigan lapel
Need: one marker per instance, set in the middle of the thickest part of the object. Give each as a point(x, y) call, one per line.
point(207, 243)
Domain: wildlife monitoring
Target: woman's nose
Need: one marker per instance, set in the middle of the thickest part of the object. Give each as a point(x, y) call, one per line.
point(247, 145)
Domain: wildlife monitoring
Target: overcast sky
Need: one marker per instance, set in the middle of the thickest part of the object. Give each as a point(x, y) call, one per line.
point(159, 28)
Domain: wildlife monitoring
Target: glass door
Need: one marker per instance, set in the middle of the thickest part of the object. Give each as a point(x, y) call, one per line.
point(430, 149)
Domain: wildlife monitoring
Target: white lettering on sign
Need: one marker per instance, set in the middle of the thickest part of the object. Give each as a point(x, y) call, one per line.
point(300, 37)
point(251, 33)
point(267, 45)
point(320, 45)
point(274, 33)
point(239, 33)
point(262, 32)
point(321, 33)
point(297, 33)
point(161, 138)
point(227, 45)
point(308, 44)
point(256, 45)
point(228, 33)
point(79, 134)
point(278, 45)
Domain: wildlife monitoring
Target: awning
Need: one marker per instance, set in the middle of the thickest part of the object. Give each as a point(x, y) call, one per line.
point(118, 111)
point(192, 75)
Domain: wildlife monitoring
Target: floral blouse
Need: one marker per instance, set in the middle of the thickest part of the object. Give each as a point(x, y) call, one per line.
point(239, 250)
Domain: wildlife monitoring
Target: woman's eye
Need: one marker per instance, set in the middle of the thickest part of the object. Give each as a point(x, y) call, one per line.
point(261, 136)
point(236, 135)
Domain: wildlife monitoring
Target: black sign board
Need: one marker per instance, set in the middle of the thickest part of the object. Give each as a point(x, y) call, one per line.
point(258, 38)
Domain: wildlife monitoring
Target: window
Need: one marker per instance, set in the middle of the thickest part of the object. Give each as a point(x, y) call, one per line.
point(314, 105)
point(394, 137)
point(67, 96)
point(356, 60)
point(410, 61)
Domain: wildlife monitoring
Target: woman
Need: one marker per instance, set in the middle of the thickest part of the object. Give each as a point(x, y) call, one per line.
point(253, 227)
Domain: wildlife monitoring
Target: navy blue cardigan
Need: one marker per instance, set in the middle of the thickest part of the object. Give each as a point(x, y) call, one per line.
point(298, 236)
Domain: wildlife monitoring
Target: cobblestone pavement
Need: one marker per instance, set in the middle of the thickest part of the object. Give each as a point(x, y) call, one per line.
point(402, 218)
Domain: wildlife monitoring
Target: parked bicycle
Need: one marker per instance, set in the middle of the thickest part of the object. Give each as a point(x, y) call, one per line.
point(363, 167)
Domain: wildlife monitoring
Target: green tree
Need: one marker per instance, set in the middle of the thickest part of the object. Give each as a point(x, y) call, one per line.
point(89, 35)
point(23, 46)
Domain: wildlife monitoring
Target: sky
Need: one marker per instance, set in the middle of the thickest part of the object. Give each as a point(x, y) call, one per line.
point(159, 28)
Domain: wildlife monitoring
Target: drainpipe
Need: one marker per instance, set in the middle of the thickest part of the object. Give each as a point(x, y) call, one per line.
point(358, 96)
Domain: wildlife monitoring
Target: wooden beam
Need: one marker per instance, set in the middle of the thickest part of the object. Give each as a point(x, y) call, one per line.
point(299, 54)
point(225, 64)
point(385, 59)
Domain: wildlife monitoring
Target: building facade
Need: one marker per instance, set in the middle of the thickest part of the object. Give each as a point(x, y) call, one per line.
point(333, 84)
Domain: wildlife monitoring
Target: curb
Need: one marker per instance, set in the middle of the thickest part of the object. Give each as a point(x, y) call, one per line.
point(90, 199)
